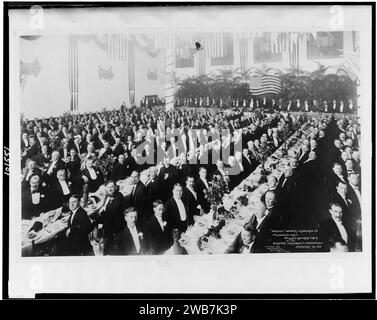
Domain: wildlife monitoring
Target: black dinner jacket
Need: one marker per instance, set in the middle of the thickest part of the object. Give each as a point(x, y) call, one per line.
point(124, 243)
point(328, 229)
point(32, 151)
point(332, 181)
point(26, 183)
point(248, 166)
point(355, 205)
point(137, 200)
point(152, 189)
point(173, 218)
point(192, 203)
point(120, 171)
point(263, 236)
point(50, 179)
point(74, 166)
point(201, 188)
point(78, 238)
point(112, 217)
point(41, 159)
point(58, 196)
point(348, 214)
point(30, 210)
point(157, 240)
point(94, 184)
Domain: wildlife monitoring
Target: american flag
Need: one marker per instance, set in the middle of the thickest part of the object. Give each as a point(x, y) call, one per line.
point(263, 84)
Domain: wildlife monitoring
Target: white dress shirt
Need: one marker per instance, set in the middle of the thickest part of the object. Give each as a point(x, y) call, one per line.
point(78, 148)
point(29, 174)
point(107, 202)
point(342, 230)
point(161, 223)
point(64, 186)
point(193, 193)
point(344, 199)
point(205, 183)
point(259, 221)
point(135, 237)
point(181, 209)
point(92, 173)
point(49, 171)
point(73, 214)
point(35, 197)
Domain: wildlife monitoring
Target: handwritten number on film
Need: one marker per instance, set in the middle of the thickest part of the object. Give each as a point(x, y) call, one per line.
point(6, 161)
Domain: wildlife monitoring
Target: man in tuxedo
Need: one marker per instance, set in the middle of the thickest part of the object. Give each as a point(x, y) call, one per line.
point(111, 213)
point(202, 188)
point(137, 198)
point(32, 150)
point(304, 154)
point(117, 148)
point(184, 169)
point(31, 170)
point(335, 151)
point(168, 176)
point(341, 197)
point(73, 164)
point(130, 241)
point(60, 190)
point(354, 194)
point(245, 241)
point(335, 176)
point(248, 163)
point(261, 222)
point(220, 171)
point(336, 228)
point(157, 236)
point(287, 183)
point(79, 228)
point(152, 185)
point(309, 168)
point(120, 170)
point(272, 211)
point(92, 175)
point(190, 197)
point(55, 164)
point(34, 199)
point(43, 158)
point(177, 212)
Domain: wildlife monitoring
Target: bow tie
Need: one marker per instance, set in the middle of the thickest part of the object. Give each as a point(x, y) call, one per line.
point(34, 191)
point(247, 246)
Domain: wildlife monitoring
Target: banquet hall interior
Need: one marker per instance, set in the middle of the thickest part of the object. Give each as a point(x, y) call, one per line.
point(190, 143)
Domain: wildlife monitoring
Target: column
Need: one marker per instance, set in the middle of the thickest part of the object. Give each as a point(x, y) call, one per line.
point(169, 76)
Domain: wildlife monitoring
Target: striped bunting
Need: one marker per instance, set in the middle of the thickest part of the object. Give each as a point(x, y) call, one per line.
point(117, 46)
point(213, 45)
point(265, 84)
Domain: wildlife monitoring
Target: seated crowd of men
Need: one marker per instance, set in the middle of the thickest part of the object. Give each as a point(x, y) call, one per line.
point(182, 151)
point(320, 189)
point(293, 105)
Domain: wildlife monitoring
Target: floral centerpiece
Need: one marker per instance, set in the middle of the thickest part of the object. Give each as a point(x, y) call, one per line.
point(218, 188)
point(106, 164)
